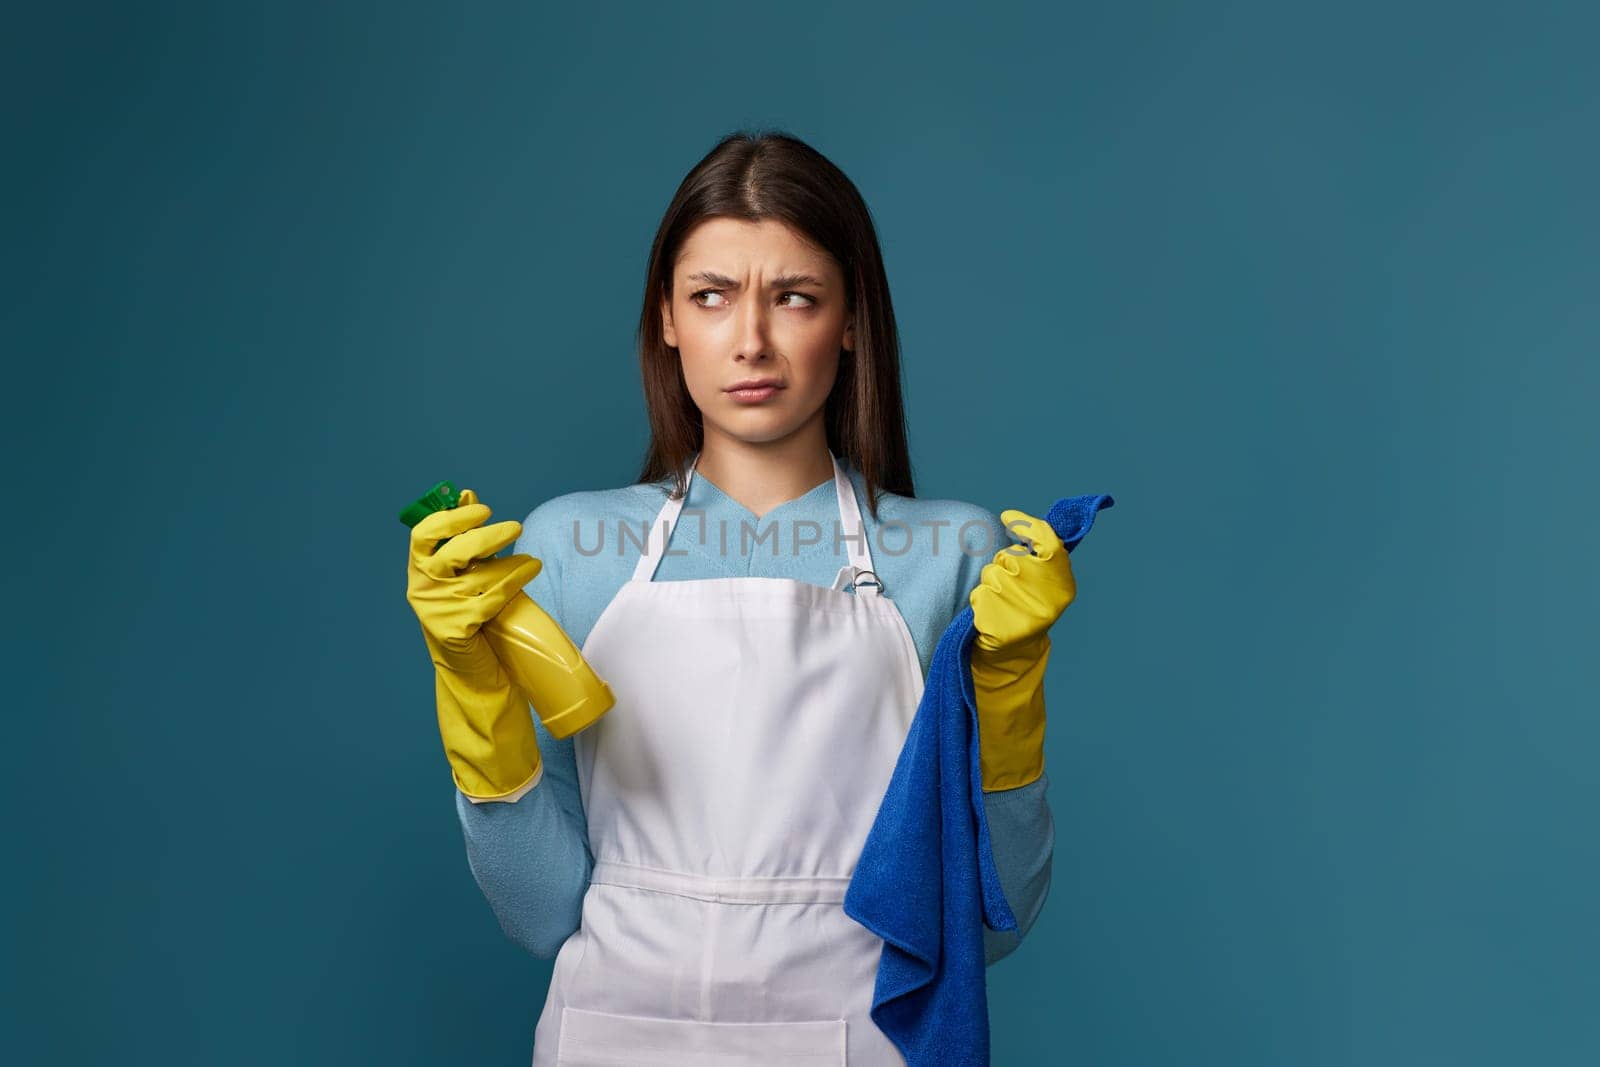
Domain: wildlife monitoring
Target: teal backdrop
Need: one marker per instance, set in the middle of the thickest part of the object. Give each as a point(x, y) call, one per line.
point(1310, 289)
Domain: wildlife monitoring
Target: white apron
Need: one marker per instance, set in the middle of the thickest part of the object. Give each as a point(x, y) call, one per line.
point(729, 792)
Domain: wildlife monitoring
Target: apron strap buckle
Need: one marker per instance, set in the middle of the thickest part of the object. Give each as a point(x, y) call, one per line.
point(872, 583)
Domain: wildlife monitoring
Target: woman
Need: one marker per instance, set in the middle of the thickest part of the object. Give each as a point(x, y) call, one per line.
point(685, 858)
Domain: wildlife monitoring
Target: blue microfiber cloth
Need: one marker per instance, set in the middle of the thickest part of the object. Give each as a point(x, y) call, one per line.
point(926, 876)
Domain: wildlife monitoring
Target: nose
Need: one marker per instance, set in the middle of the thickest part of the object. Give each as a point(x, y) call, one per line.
point(754, 327)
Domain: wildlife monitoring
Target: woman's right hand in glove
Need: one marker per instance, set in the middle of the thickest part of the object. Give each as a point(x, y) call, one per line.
point(455, 588)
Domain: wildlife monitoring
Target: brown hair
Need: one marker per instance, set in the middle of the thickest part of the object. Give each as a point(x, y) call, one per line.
point(772, 175)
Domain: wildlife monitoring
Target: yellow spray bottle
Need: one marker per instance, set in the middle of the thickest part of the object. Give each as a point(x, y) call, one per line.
point(535, 651)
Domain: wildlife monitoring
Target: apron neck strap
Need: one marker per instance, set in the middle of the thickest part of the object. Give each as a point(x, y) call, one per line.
point(852, 531)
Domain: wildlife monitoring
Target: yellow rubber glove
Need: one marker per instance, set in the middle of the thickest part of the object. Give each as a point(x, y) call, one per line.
point(1018, 596)
point(484, 719)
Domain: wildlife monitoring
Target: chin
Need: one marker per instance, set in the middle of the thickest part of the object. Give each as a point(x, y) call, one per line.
point(758, 431)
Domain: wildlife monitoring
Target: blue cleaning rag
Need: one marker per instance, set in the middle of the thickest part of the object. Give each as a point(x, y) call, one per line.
point(926, 876)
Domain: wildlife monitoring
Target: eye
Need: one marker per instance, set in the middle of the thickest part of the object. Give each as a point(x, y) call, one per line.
point(694, 298)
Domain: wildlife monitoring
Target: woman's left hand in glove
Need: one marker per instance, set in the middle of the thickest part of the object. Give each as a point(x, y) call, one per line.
point(1019, 595)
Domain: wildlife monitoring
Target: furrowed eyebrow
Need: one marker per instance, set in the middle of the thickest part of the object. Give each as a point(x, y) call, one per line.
point(785, 281)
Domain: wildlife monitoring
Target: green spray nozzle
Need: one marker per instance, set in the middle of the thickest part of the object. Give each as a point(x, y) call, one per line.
point(441, 497)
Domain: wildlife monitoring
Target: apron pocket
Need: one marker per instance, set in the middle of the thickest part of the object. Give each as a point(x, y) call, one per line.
point(600, 1039)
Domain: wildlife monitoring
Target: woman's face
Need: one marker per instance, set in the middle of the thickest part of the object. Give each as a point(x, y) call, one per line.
point(751, 300)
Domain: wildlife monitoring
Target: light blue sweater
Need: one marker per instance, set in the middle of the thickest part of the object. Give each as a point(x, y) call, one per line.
point(531, 857)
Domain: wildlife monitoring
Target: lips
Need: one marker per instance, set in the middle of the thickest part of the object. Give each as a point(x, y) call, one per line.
point(756, 392)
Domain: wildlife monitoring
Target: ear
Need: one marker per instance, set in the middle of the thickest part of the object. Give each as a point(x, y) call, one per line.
point(668, 334)
point(849, 340)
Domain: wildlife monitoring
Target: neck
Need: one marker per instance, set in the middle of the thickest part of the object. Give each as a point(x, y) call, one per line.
point(760, 475)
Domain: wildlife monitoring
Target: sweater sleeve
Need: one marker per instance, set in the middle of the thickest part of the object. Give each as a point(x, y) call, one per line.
point(530, 857)
point(1022, 834)
point(1021, 829)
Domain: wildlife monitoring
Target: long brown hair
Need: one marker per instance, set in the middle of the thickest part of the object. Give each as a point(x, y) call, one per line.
point(772, 175)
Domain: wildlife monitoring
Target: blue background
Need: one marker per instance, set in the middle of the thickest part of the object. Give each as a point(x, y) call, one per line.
point(1311, 290)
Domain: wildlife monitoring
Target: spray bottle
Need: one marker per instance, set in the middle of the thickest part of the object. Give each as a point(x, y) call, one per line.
point(534, 650)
